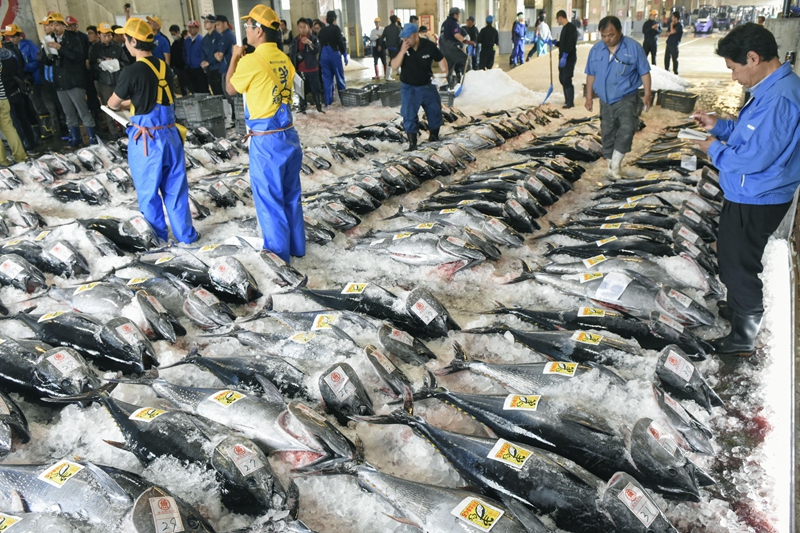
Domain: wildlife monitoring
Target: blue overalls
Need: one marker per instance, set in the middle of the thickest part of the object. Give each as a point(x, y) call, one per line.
point(331, 62)
point(275, 158)
point(156, 161)
point(412, 97)
point(518, 37)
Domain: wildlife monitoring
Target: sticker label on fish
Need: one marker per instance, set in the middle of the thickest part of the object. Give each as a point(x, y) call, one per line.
point(448, 211)
point(245, 459)
point(680, 297)
point(130, 333)
point(11, 269)
point(206, 297)
point(302, 337)
point(404, 235)
point(12, 243)
point(140, 225)
point(711, 189)
point(678, 365)
point(164, 259)
point(383, 361)
point(87, 287)
point(607, 240)
point(61, 252)
point(50, 316)
point(589, 276)
point(677, 408)
point(561, 368)
point(691, 215)
point(639, 504)
point(402, 336)
point(689, 162)
point(275, 259)
point(591, 311)
point(224, 271)
point(354, 288)
point(64, 362)
point(477, 513)
point(61, 472)
point(312, 414)
point(587, 338)
point(4, 409)
point(611, 226)
point(688, 234)
point(137, 281)
point(662, 437)
point(377, 242)
point(41, 236)
point(7, 173)
point(94, 185)
point(324, 322)
point(226, 398)
point(166, 515)
point(146, 414)
point(526, 402)
point(207, 248)
point(671, 322)
point(340, 384)
point(615, 217)
point(7, 520)
point(633, 199)
point(120, 173)
point(458, 242)
point(357, 191)
point(156, 304)
point(536, 184)
point(517, 207)
point(612, 287)
point(596, 260)
point(425, 225)
point(424, 311)
point(698, 204)
point(508, 454)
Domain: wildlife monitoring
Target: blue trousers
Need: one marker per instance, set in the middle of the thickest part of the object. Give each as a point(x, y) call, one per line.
point(415, 96)
point(332, 70)
point(160, 175)
point(518, 53)
point(275, 181)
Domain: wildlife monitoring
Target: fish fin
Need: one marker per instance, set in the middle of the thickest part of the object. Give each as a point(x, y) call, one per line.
point(524, 513)
point(17, 505)
point(116, 444)
point(663, 201)
point(583, 419)
point(270, 390)
point(459, 363)
point(406, 521)
point(483, 331)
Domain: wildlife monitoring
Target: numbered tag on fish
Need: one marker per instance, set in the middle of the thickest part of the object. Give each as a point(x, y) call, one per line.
point(680, 366)
point(675, 156)
point(384, 361)
point(354, 288)
point(652, 176)
point(615, 217)
point(11, 269)
point(61, 472)
point(629, 205)
point(509, 454)
point(225, 272)
point(245, 459)
point(612, 287)
point(589, 276)
point(120, 173)
point(591, 312)
point(324, 322)
point(634, 199)
point(691, 249)
point(517, 207)
point(226, 145)
point(140, 225)
point(7, 520)
point(206, 297)
point(146, 414)
point(561, 368)
point(691, 215)
point(611, 226)
point(50, 316)
point(535, 184)
point(164, 259)
point(302, 337)
point(136, 281)
point(166, 515)
point(424, 311)
point(688, 234)
point(42, 235)
point(662, 437)
point(607, 240)
point(87, 287)
point(425, 225)
point(448, 211)
point(226, 398)
point(403, 235)
point(689, 162)
point(680, 297)
point(671, 322)
point(402, 336)
point(711, 189)
point(596, 260)
point(587, 338)
point(677, 408)
point(277, 261)
point(94, 185)
point(639, 504)
point(156, 304)
point(357, 191)
point(370, 181)
point(340, 384)
point(336, 207)
point(698, 204)
point(312, 414)
point(7, 173)
point(61, 252)
point(130, 333)
point(64, 362)
point(525, 402)
point(477, 513)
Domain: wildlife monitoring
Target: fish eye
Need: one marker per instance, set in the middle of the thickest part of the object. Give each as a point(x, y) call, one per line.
point(193, 522)
point(251, 482)
point(672, 472)
point(66, 383)
point(688, 388)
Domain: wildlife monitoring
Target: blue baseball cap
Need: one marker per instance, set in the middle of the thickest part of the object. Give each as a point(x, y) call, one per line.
point(490, 19)
point(408, 30)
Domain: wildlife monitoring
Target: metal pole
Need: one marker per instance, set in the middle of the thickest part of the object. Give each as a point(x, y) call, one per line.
point(237, 27)
point(786, 5)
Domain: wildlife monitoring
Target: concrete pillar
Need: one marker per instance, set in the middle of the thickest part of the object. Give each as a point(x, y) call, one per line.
point(555, 7)
point(304, 9)
point(385, 10)
point(787, 35)
point(504, 21)
point(431, 7)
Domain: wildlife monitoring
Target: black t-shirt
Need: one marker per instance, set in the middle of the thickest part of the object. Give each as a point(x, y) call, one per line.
point(417, 66)
point(650, 30)
point(675, 38)
point(139, 83)
point(450, 28)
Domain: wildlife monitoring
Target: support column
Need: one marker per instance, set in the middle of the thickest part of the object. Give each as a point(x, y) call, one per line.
point(556, 6)
point(504, 21)
point(302, 8)
point(431, 8)
point(385, 10)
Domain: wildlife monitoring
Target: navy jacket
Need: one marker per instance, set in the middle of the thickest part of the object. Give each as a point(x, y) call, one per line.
point(209, 46)
point(311, 58)
point(193, 51)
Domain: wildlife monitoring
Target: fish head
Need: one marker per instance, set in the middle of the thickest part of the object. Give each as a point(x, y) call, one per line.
point(64, 372)
point(431, 315)
point(230, 274)
point(245, 467)
point(139, 230)
point(344, 394)
point(156, 510)
point(656, 455)
point(158, 318)
point(137, 346)
point(631, 507)
point(318, 427)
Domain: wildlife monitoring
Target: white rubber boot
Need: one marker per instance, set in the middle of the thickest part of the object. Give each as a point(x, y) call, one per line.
point(615, 166)
point(388, 73)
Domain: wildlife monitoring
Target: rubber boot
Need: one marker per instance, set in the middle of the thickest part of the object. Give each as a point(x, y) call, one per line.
point(741, 340)
point(615, 166)
point(724, 310)
point(434, 135)
point(75, 138)
point(317, 102)
point(377, 75)
point(569, 98)
point(303, 105)
point(388, 76)
point(412, 142)
point(92, 133)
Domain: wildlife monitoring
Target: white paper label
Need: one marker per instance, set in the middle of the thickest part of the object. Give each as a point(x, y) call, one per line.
point(357, 191)
point(166, 515)
point(711, 189)
point(336, 207)
point(4, 409)
point(377, 242)
point(402, 336)
point(536, 184)
point(94, 185)
point(11, 269)
point(671, 322)
point(640, 505)
point(601, 242)
point(424, 311)
point(688, 234)
point(524, 402)
point(477, 513)
point(226, 398)
point(245, 459)
point(120, 173)
point(140, 225)
point(689, 162)
point(691, 215)
point(206, 297)
point(7, 173)
point(340, 384)
point(64, 362)
point(384, 361)
point(662, 437)
point(693, 250)
point(61, 472)
point(612, 287)
point(220, 187)
point(679, 296)
point(509, 454)
point(225, 272)
point(61, 252)
point(130, 333)
point(698, 204)
point(275, 259)
point(561, 368)
point(680, 366)
point(677, 408)
point(324, 322)
point(457, 242)
point(517, 208)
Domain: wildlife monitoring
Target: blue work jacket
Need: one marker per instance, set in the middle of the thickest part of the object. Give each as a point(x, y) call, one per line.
point(620, 76)
point(193, 51)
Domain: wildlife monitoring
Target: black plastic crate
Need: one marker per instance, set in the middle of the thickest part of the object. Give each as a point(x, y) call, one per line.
point(448, 97)
point(354, 97)
point(390, 95)
point(374, 89)
point(194, 109)
point(677, 101)
point(238, 106)
point(241, 127)
point(215, 125)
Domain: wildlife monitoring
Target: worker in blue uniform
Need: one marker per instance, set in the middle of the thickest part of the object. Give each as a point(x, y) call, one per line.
point(416, 56)
point(266, 78)
point(155, 147)
point(334, 49)
point(518, 39)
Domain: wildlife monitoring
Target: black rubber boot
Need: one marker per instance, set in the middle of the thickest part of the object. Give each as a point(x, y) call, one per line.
point(724, 310)
point(412, 142)
point(741, 340)
point(303, 105)
point(317, 102)
point(434, 135)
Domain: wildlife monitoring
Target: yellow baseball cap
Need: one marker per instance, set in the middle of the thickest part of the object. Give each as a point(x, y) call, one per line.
point(104, 27)
point(56, 17)
point(377, 19)
point(12, 29)
point(154, 19)
point(653, 12)
point(137, 29)
point(264, 15)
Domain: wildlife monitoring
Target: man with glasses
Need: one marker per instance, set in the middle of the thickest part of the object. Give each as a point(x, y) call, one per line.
point(616, 67)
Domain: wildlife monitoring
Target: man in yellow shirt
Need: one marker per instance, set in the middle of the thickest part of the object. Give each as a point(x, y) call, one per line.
point(266, 77)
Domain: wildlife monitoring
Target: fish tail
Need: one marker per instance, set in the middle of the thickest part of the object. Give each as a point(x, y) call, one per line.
point(459, 363)
point(527, 274)
point(97, 395)
point(488, 330)
point(399, 213)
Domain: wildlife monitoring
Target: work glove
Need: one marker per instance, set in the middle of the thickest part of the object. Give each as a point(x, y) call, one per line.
point(554, 43)
point(563, 61)
point(346, 59)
